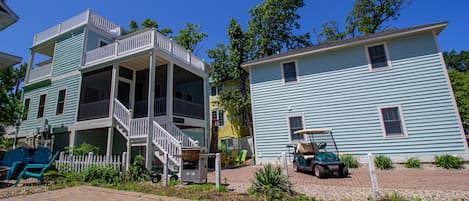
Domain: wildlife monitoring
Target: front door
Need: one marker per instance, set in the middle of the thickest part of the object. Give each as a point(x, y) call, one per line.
point(123, 92)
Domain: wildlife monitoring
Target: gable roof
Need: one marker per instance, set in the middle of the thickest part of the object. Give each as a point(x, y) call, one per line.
point(437, 27)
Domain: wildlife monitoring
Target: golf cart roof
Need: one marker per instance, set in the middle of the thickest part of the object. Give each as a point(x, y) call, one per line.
point(313, 131)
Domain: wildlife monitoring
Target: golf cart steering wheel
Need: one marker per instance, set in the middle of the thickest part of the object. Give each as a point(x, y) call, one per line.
point(322, 145)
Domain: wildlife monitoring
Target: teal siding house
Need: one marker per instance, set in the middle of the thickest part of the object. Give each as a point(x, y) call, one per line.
point(90, 81)
point(386, 93)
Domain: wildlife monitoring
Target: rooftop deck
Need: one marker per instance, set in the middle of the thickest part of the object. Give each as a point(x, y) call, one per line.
point(141, 41)
point(87, 17)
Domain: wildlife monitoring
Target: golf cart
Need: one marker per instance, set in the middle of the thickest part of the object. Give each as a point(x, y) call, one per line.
point(319, 154)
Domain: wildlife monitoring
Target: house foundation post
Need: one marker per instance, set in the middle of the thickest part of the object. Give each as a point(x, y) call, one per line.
point(151, 105)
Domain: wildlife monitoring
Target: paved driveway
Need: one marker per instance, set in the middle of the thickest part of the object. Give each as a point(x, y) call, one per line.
point(89, 193)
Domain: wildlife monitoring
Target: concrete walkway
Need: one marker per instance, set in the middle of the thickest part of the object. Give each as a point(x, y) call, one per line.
point(89, 193)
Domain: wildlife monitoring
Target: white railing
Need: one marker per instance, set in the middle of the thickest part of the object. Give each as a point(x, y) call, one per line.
point(166, 142)
point(188, 109)
point(74, 163)
point(74, 22)
point(40, 72)
point(122, 114)
point(141, 41)
point(160, 106)
point(138, 127)
point(96, 109)
point(180, 135)
point(101, 53)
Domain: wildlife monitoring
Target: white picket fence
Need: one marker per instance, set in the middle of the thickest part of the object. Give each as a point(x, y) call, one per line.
point(74, 163)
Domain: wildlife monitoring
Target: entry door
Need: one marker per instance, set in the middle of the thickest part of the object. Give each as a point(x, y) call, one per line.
point(123, 92)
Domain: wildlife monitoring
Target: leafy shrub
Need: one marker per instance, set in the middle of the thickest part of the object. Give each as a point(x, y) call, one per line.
point(82, 150)
point(412, 163)
point(349, 161)
point(100, 175)
point(271, 183)
point(137, 171)
point(449, 162)
point(383, 162)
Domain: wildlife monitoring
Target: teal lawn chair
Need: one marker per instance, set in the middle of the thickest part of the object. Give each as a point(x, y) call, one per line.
point(14, 159)
point(35, 170)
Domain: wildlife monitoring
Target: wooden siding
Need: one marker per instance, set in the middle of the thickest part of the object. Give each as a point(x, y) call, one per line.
point(71, 84)
point(68, 53)
point(337, 91)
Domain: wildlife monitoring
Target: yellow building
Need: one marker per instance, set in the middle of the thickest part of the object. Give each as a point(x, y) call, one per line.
point(230, 128)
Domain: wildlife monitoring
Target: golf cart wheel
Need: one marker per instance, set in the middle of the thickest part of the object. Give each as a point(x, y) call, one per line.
point(173, 178)
point(295, 167)
point(343, 172)
point(319, 171)
point(156, 178)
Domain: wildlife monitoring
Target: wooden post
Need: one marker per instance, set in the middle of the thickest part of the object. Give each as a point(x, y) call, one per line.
point(217, 170)
point(165, 169)
point(374, 179)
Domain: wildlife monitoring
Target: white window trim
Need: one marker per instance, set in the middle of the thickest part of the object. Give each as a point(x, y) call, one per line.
point(216, 90)
point(218, 115)
point(401, 116)
point(288, 126)
point(57, 103)
point(29, 112)
point(388, 58)
point(45, 106)
point(296, 69)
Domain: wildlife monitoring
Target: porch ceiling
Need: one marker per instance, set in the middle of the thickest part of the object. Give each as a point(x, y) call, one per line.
point(141, 62)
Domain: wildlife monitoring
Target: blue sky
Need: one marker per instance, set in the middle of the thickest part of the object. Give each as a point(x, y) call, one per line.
point(214, 16)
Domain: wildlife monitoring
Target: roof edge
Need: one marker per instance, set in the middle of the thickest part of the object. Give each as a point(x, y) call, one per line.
point(437, 27)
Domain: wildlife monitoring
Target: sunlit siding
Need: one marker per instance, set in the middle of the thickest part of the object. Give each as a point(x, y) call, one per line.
point(337, 91)
point(68, 53)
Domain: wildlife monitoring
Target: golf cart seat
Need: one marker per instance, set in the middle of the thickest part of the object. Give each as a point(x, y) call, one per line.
point(308, 150)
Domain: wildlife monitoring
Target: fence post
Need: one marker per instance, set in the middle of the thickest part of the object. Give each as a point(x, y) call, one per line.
point(217, 170)
point(374, 179)
point(89, 160)
point(284, 164)
point(165, 169)
point(124, 162)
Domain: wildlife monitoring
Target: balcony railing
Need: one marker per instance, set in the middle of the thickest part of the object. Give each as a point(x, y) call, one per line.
point(77, 21)
point(185, 108)
point(142, 41)
point(40, 72)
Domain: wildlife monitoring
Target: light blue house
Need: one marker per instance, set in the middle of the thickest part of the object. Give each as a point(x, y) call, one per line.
point(385, 93)
point(90, 81)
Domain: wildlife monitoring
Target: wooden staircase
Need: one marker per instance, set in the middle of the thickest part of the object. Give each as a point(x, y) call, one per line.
point(165, 138)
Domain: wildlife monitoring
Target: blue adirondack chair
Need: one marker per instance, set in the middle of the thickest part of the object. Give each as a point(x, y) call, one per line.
point(39, 170)
point(41, 156)
point(14, 159)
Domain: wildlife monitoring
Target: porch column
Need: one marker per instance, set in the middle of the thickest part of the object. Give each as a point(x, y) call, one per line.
point(151, 105)
point(71, 139)
point(114, 85)
point(169, 91)
point(206, 113)
point(110, 137)
point(29, 67)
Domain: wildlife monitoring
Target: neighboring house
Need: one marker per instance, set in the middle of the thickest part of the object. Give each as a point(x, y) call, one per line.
point(384, 93)
point(7, 18)
point(231, 132)
point(91, 81)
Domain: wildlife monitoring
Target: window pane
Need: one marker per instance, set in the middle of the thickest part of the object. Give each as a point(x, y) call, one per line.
point(26, 108)
point(377, 56)
point(390, 113)
point(289, 72)
point(219, 89)
point(126, 73)
point(393, 128)
point(296, 123)
point(213, 91)
point(392, 121)
point(60, 102)
point(221, 118)
point(42, 102)
point(214, 114)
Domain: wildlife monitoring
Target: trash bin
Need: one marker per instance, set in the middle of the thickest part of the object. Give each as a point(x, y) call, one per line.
point(194, 169)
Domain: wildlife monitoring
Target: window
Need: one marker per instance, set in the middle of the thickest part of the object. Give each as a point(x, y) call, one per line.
point(216, 90)
point(42, 104)
point(378, 57)
point(289, 72)
point(102, 43)
point(392, 121)
point(60, 102)
point(295, 123)
point(220, 116)
point(228, 142)
point(26, 108)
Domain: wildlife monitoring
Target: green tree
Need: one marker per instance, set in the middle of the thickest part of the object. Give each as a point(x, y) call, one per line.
point(10, 94)
point(148, 23)
point(272, 26)
point(457, 63)
point(190, 36)
point(330, 32)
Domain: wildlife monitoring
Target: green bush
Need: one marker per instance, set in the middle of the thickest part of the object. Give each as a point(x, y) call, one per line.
point(137, 171)
point(383, 162)
point(101, 175)
point(271, 183)
point(82, 150)
point(412, 163)
point(349, 161)
point(449, 162)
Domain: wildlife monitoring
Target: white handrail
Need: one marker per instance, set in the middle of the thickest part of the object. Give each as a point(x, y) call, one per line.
point(138, 41)
point(122, 114)
point(166, 142)
point(180, 135)
point(138, 127)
